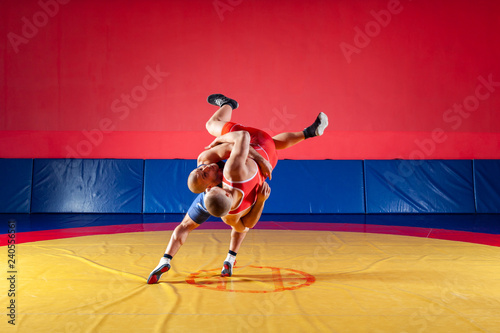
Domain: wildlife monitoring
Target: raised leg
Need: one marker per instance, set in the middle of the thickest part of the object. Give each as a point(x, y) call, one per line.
point(223, 115)
point(215, 124)
point(288, 139)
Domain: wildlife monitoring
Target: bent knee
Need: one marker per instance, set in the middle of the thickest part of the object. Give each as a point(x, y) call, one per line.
point(241, 229)
point(208, 124)
point(213, 127)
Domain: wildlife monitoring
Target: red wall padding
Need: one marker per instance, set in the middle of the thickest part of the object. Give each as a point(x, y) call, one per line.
point(129, 78)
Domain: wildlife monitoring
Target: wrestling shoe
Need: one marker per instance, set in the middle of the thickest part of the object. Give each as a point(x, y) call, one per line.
point(227, 269)
point(157, 272)
point(220, 100)
point(318, 127)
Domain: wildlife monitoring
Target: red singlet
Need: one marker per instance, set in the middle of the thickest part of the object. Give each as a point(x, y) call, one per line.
point(263, 143)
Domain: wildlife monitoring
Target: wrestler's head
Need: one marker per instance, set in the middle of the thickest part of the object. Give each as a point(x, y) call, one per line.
point(218, 201)
point(204, 176)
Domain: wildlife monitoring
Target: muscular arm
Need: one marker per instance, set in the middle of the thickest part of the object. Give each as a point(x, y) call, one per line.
point(264, 165)
point(236, 163)
point(215, 154)
point(251, 219)
point(223, 150)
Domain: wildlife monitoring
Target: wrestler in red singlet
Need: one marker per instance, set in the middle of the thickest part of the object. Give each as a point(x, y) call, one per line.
point(263, 143)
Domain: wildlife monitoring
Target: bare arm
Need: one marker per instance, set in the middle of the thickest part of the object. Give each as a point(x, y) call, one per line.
point(215, 154)
point(251, 219)
point(220, 149)
point(265, 167)
point(236, 162)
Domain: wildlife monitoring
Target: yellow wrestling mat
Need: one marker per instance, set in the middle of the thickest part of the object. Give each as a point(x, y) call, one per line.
point(284, 281)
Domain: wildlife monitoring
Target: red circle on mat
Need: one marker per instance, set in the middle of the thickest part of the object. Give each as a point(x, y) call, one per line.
point(263, 279)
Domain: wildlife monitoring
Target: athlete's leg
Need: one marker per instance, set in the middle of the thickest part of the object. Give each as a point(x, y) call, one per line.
point(176, 241)
point(288, 139)
point(223, 115)
point(236, 240)
point(219, 119)
point(180, 234)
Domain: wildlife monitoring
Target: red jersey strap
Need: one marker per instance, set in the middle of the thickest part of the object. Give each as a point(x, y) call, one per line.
point(248, 189)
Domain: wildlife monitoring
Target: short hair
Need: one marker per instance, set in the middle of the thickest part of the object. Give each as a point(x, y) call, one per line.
point(194, 183)
point(217, 203)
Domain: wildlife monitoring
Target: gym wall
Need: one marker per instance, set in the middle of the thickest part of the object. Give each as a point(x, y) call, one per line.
point(129, 79)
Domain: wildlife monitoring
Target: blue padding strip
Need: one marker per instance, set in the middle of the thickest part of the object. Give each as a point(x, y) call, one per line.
point(15, 182)
point(298, 187)
point(87, 186)
point(430, 186)
point(165, 186)
point(487, 185)
point(317, 187)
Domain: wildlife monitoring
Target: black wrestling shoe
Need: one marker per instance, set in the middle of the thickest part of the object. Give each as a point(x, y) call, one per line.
point(318, 127)
point(220, 100)
point(157, 272)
